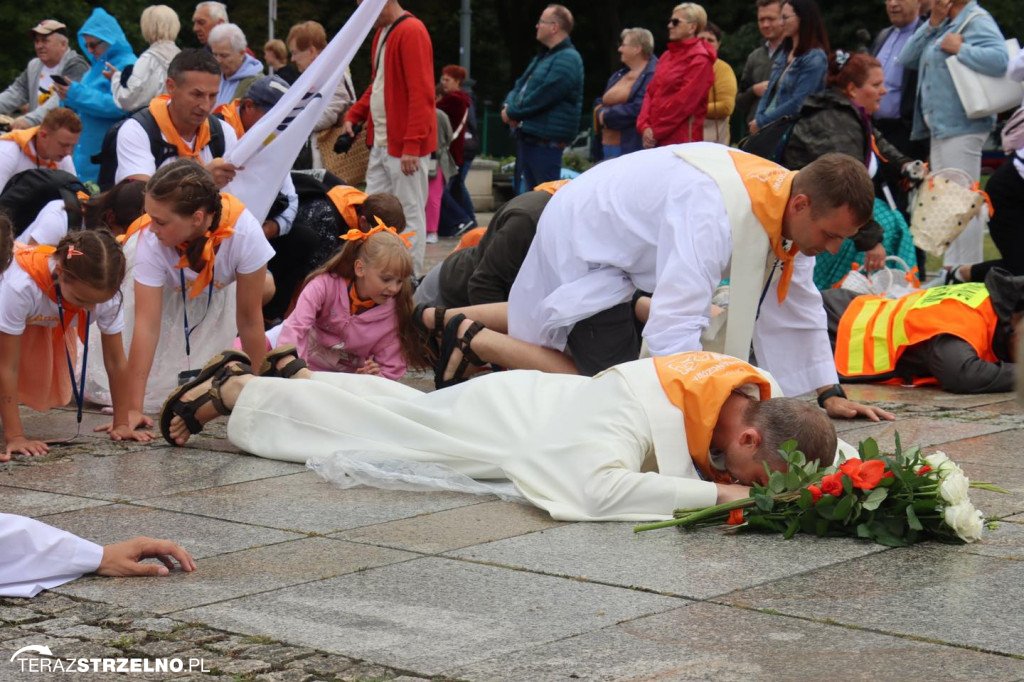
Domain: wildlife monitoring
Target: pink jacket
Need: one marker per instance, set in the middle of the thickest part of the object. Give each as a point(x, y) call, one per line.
point(330, 339)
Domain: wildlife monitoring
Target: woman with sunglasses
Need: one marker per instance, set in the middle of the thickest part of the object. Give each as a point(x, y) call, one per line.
point(104, 42)
point(800, 63)
point(677, 98)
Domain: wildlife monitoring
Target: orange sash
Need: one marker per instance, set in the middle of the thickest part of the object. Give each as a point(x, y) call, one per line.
point(231, 209)
point(699, 383)
point(230, 113)
point(346, 199)
point(769, 185)
point(158, 107)
point(23, 138)
point(138, 225)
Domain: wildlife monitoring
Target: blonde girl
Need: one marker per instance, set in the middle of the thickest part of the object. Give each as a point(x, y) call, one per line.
point(48, 296)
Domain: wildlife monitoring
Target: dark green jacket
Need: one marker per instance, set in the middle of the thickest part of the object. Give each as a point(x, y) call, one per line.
point(548, 98)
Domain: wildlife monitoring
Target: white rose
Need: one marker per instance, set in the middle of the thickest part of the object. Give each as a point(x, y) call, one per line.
point(954, 487)
point(965, 520)
point(936, 459)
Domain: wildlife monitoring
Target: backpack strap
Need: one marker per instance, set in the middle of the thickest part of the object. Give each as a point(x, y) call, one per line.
point(158, 147)
point(217, 143)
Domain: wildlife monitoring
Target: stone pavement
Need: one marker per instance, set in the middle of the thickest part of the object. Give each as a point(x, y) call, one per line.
point(299, 580)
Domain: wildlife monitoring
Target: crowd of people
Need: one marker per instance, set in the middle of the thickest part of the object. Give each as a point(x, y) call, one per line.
point(639, 290)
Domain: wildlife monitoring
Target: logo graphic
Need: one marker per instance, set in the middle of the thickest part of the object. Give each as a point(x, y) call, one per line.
point(34, 648)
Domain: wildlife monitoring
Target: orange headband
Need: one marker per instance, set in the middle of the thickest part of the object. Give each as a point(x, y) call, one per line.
point(358, 235)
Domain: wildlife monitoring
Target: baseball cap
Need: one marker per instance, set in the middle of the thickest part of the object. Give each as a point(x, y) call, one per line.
point(265, 92)
point(48, 26)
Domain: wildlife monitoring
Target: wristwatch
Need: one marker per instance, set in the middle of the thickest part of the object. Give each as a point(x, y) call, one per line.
point(834, 390)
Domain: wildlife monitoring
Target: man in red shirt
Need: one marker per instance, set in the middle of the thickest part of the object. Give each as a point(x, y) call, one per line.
point(398, 109)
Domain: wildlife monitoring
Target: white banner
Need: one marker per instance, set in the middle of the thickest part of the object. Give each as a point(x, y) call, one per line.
point(267, 150)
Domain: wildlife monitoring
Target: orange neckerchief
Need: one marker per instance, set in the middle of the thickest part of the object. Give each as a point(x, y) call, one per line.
point(357, 305)
point(874, 148)
point(699, 383)
point(35, 260)
point(231, 209)
point(230, 113)
point(346, 199)
point(138, 225)
point(550, 187)
point(158, 107)
point(769, 185)
point(22, 138)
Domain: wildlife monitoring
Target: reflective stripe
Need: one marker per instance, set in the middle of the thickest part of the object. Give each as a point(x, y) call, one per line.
point(858, 333)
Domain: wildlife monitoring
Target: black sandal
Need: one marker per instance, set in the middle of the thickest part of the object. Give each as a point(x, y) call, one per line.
point(431, 337)
point(451, 340)
point(220, 369)
point(269, 367)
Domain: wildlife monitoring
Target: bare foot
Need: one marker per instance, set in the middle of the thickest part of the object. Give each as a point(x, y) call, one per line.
point(229, 392)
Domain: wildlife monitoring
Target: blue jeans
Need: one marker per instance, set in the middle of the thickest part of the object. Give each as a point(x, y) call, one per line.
point(537, 161)
point(612, 151)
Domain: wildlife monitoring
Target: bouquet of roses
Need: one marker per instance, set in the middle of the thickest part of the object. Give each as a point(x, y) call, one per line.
point(895, 500)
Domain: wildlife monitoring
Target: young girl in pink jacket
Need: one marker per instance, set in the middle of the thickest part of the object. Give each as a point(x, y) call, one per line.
point(355, 313)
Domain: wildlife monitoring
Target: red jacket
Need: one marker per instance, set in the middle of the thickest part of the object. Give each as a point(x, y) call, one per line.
point(408, 90)
point(677, 98)
point(456, 105)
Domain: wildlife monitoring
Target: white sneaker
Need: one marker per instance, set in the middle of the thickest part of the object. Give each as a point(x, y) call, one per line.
point(431, 237)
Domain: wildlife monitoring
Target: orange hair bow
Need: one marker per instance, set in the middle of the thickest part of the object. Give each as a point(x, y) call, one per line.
point(354, 235)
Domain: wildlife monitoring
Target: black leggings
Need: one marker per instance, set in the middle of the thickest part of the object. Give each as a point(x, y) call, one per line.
point(1006, 190)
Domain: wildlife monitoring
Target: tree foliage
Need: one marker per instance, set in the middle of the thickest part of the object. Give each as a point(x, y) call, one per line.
point(503, 30)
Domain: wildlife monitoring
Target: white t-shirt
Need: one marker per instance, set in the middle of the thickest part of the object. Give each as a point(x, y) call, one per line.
point(22, 303)
point(14, 161)
point(244, 252)
point(134, 156)
point(46, 82)
point(49, 226)
point(378, 113)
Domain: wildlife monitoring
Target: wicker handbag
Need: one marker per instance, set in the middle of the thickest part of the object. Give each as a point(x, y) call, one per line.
point(350, 166)
point(947, 200)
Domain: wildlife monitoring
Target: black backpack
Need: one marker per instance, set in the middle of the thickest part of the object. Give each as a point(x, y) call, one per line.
point(29, 191)
point(161, 150)
point(770, 142)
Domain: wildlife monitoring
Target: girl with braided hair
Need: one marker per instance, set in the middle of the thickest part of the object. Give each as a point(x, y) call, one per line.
point(48, 296)
point(200, 267)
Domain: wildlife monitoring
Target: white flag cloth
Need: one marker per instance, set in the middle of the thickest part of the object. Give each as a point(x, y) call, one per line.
point(268, 149)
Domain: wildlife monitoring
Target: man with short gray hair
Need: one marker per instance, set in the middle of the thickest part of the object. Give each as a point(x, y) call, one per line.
point(33, 87)
point(206, 17)
point(238, 70)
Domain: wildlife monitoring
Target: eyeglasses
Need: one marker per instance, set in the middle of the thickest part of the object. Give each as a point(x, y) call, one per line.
point(674, 22)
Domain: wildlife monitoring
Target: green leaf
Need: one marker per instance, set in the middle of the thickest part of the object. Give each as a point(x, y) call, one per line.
point(793, 480)
point(764, 502)
point(821, 527)
point(792, 528)
point(806, 500)
point(912, 520)
point(863, 531)
point(868, 449)
point(875, 498)
point(899, 447)
point(843, 508)
point(797, 459)
point(847, 485)
point(777, 482)
point(890, 540)
point(761, 523)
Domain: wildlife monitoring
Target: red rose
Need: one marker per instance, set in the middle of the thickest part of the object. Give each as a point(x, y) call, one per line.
point(735, 517)
point(815, 492)
point(832, 485)
point(865, 475)
point(923, 470)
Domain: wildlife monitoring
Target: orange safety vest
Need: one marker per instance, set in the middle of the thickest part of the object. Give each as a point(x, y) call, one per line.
point(229, 112)
point(22, 138)
point(699, 383)
point(874, 331)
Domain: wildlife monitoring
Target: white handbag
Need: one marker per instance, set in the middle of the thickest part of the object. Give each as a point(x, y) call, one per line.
point(946, 201)
point(983, 95)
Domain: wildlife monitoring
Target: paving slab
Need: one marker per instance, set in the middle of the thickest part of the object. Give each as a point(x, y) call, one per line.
point(304, 502)
point(237, 574)
point(928, 591)
point(202, 536)
point(431, 614)
point(998, 505)
point(37, 503)
point(146, 473)
point(697, 564)
point(920, 395)
point(711, 642)
point(455, 528)
point(1000, 449)
point(922, 431)
point(1004, 540)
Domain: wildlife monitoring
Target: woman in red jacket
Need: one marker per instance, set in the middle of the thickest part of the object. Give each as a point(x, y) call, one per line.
point(677, 98)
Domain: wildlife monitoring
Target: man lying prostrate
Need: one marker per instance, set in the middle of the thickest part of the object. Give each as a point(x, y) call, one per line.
point(960, 336)
point(633, 443)
point(36, 557)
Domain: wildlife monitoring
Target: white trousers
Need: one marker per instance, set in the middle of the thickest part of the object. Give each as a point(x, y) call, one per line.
point(384, 174)
point(575, 446)
point(963, 152)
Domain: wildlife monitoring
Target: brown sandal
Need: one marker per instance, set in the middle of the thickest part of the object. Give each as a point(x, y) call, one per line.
point(269, 366)
point(451, 340)
point(220, 369)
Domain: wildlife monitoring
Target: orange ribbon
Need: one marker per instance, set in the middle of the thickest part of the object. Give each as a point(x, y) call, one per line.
point(158, 107)
point(550, 187)
point(231, 209)
point(22, 138)
point(359, 235)
point(874, 148)
point(976, 187)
